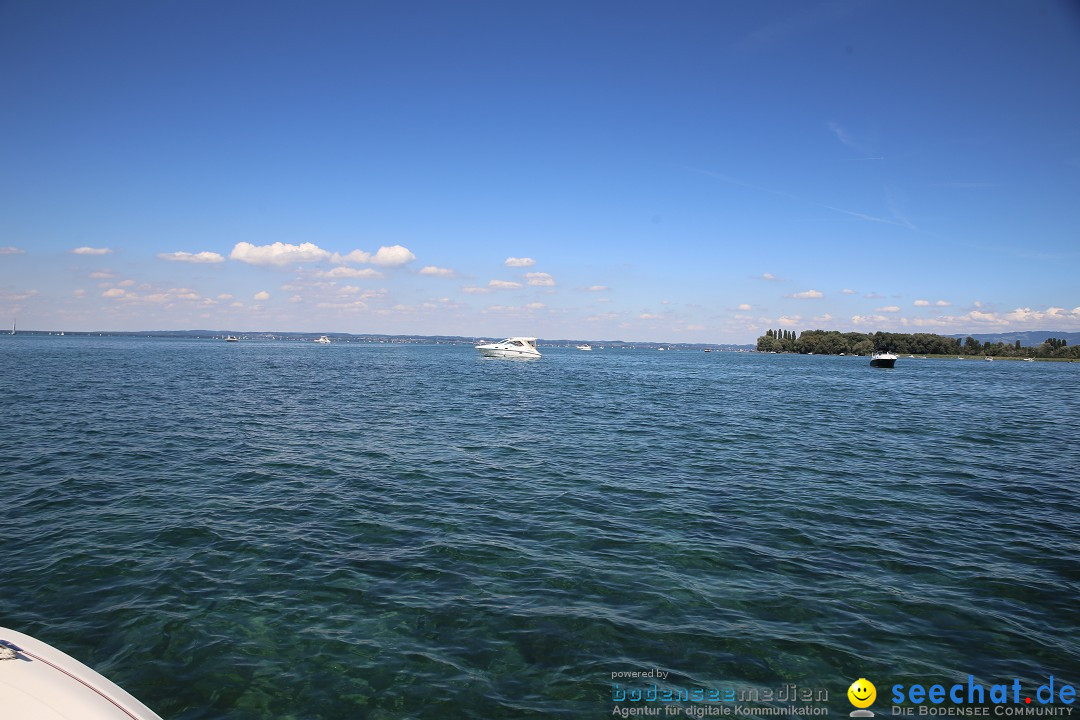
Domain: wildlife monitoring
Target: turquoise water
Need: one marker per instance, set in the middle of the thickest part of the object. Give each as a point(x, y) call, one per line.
point(287, 530)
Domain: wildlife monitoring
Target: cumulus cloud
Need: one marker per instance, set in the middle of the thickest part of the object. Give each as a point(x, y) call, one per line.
point(504, 284)
point(519, 262)
point(789, 319)
point(348, 272)
point(392, 255)
point(539, 278)
point(278, 253)
point(438, 271)
point(387, 256)
point(868, 319)
point(8, 250)
point(114, 293)
point(262, 295)
point(200, 257)
point(943, 303)
point(888, 309)
point(90, 251)
point(808, 294)
point(922, 303)
point(745, 307)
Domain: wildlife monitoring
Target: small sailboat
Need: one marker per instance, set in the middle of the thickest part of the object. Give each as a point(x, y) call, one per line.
point(13, 326)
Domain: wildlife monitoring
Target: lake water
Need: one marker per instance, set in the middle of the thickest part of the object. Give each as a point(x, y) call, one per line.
point(289, 530)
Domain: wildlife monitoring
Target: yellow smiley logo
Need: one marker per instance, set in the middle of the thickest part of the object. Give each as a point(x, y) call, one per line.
point(862, 693)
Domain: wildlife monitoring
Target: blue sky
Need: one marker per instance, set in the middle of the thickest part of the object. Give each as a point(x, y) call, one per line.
point(678, 171)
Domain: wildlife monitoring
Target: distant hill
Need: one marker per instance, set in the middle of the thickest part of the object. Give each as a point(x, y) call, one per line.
point(1030, 338)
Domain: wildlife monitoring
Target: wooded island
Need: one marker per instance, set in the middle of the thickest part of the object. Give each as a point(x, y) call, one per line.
point(834, 342)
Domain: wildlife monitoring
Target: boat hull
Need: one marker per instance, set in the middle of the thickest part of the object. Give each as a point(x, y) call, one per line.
point(883, 362)
point(508, 353)
point(43, 682)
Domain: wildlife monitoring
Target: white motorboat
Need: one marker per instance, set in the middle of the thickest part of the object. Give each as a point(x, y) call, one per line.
point(515, 347)
point(586, 346)
point(232, 338)
point(323, 340)
point(39, 681)
point(882, 360)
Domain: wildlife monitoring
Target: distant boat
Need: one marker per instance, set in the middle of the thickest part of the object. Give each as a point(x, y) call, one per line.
point(586, 346)
point(708, 350)
point(515, 347)
point(12, 327)
point(1029, 359)
point(232, 338)
point(882, 360)
point(989, 359)
point(323, 340)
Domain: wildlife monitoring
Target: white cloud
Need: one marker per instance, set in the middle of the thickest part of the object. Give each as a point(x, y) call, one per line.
point(278, 253)
point(943, 303)
point(873, 296)
point(535, 305)
point(768, 276)
point(848, 291)
point(114, 293)
point(296, 299)
point(808, 294)
point(200, 257)
point(17, 297)
point(649, 316)
point(225, 296)
point(125, 283)
point(433, 270)
point(539, 278)
point(387, 256)
point(504, 284)
point(11, 251)
point(888, 309)
point(90, 251)
point(868, 319)
point(922, 303)
point(473, 290)
point(348, 272)
point(519, 262)
point(745, 306)
point(262, 295)
point(598, 288)
point(789, 320)
point(392, 255)
point(823, 318)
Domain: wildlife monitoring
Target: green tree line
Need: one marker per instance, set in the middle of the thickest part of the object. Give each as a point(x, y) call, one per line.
point(833, 342)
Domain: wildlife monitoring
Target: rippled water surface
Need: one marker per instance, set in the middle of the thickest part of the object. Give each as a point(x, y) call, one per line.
point(288, 530)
